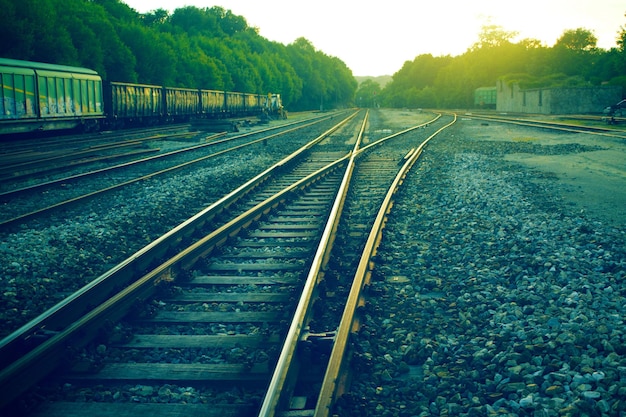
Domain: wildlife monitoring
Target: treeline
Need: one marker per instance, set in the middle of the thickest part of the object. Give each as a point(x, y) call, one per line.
point(449, 82)
point(209, 48)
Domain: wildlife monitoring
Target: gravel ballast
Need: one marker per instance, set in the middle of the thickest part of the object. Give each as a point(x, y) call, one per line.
point(492, 295)
point(47, 259)
point(494, 292)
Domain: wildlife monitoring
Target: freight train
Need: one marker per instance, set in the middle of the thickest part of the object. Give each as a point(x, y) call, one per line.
point(485, 97)
point(37, 96)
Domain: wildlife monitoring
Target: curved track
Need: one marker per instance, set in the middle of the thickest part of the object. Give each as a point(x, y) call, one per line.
point(223, 296)
point(204, 326)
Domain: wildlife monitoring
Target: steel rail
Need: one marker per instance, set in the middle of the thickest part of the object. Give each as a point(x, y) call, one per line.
point(552, 125)
point(71, 158)
point(25, 174)
point(402, 132)
point(208, 142)
point(67, 311)
point(39, 362)
point(11, 171)
point(281, 384)
point(15, 148)
point(45, 356)
point(333, 384)
point(67, 203)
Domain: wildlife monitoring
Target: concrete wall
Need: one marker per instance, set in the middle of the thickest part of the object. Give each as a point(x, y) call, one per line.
point(563, 100)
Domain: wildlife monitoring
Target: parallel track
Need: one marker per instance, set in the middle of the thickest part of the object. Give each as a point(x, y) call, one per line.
point(201, 297)
point(127, 173)
point(566, 127)
point(24, 156)
point(51, 331)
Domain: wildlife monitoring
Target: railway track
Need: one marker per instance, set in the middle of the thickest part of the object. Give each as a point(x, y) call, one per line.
point(63, 252)
point(553, 125)
point(474, 226)
point(27, 164)
point(229, 298)
point(99, 290)
point(26, 203)
point(25, 157)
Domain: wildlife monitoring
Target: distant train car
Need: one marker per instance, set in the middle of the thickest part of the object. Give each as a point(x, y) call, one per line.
point(212, 103)
point(38, 96)
point(133, 103)
point(234, 103)
point(182, 103)
point(485, 97)
point(252, 103)
point(19, 96)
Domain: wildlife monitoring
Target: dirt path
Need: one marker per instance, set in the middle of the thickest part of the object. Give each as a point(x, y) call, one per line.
point(592, 180)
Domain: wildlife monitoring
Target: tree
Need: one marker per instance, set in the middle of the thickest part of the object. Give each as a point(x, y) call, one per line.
point(368, 94)
point(146, 50)
point(231, 23)
point(577, 40)
point(31, 31)
point(117, 10)
point(156, 17)
point(194, 21)
point(17, 35)
point(575, 53)
point(492, 36)
point(450, 82)
point(621, 38)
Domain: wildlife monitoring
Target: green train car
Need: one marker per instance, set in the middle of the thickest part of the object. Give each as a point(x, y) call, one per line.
point(38, 96)
point(485, 97)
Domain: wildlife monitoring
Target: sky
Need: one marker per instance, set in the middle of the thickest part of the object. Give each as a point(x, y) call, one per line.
point(375, 38)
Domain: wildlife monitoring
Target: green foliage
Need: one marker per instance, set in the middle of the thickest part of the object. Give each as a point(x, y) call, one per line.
point(450, 82)
point(620, 80)
point(212, 48)
point(493, 36)
point(577, 40)
point(209, 48)
point(412, 86)
point(381, 80)
point(621, 39)
point(527, 81)
point(30, 28)
point(326, 81)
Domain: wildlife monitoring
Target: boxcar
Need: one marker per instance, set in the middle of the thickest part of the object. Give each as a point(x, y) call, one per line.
point(38, 96)
point(181, 103)
point(252, 103)
point(18, 93)
point(134, 102)
point(212, 103)
point(235, 103)
point(485, 97)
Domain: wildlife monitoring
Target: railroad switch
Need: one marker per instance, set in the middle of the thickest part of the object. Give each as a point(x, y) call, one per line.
point(316, 346)
point(325, 337)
